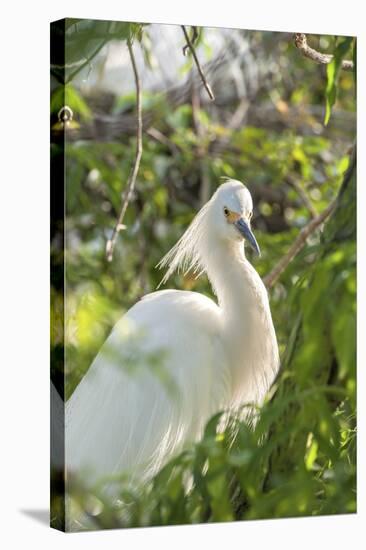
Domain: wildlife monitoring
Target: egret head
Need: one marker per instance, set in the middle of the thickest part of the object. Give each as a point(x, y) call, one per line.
point(231, 212)
point(225, 218)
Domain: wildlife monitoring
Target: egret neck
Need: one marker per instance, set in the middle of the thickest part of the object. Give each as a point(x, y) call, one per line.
point(246, 316)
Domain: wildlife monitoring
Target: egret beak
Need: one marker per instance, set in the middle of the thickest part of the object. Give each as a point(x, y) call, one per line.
point(245, 230)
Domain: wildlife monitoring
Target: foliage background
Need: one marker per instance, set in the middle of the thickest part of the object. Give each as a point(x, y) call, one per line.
point(265, 128)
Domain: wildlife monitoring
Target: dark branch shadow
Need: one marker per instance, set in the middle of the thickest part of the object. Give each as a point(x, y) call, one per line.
point(40, 515)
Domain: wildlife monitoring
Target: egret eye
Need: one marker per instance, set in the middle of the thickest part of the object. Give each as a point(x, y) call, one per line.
point(250, 215)
point(226, 211)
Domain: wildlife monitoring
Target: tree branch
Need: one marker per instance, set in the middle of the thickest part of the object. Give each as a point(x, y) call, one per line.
point(161, 138)
point(292, 181)
point(193, 40)
point(201, 148)
point(236, 120)
point(270, 279)
point(133, 174)
point(301, 44)
point(199, 68)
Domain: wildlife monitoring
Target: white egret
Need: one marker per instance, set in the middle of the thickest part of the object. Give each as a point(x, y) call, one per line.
point(220, 355)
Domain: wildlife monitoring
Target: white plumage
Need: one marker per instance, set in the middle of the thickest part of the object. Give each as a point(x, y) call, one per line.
point(122, 417)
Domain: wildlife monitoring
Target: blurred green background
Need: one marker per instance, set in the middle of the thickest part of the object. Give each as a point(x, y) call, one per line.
point(265, 128)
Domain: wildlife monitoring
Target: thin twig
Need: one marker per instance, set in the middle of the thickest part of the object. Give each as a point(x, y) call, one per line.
point(193, 40)
point(305, 199)
point(199, 68)
point(239, 114)
point(236, 120)
point(301, 43)
point(201, 148)
point(133, 174)
point(161, 138)
point(270, 279)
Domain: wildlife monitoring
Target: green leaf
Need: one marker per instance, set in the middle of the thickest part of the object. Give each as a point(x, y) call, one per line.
point(333, 69)
point(311, 452)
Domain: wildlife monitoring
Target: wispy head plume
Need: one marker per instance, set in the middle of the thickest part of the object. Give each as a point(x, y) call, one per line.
point(186, 254)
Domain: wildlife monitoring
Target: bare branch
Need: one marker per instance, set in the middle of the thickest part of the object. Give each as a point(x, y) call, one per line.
point(303, 195)
point(236, 120)
point(301, 43)
point(201, 149)
point(161, 138)
point(270, 279)
point(193, 40)
point(199, 68)
point(133, 174)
